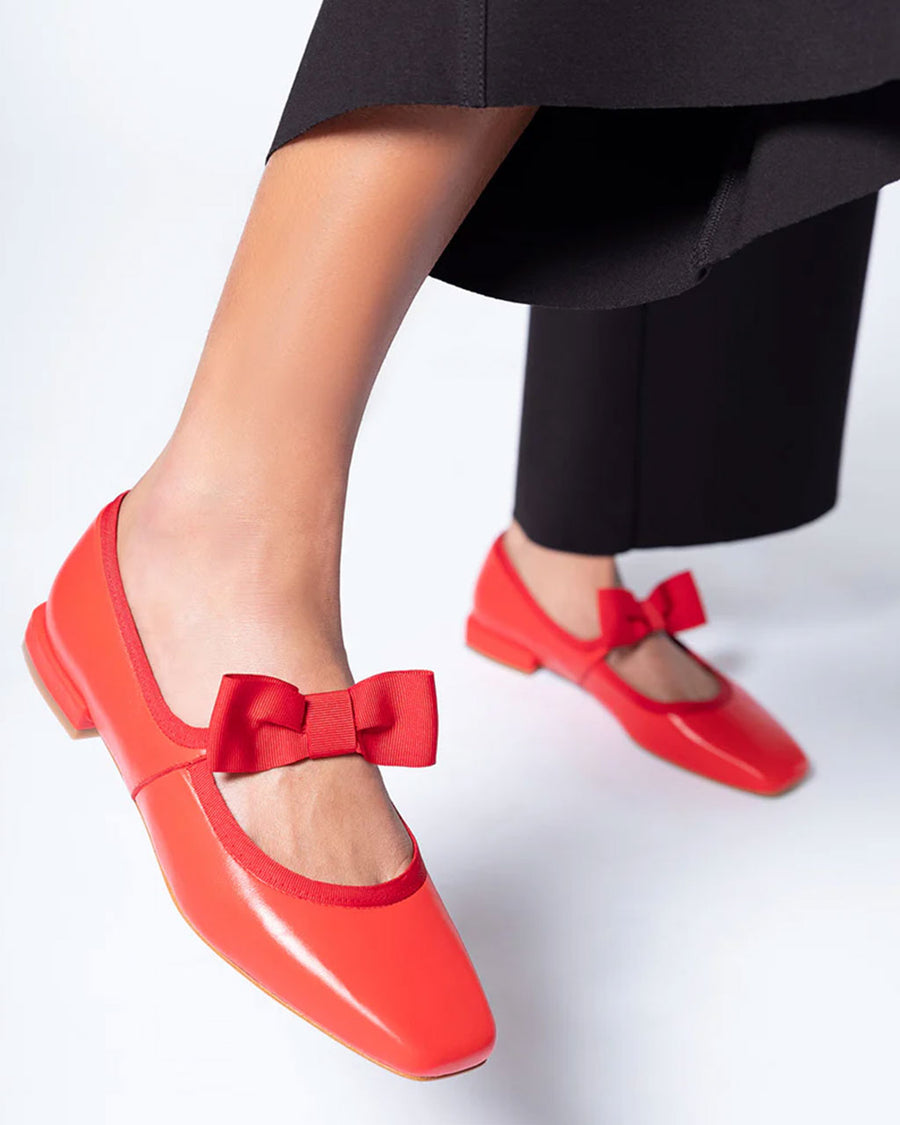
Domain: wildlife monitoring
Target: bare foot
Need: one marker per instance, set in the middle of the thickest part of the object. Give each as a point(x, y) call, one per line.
point(211, 594)
point(565, 586)
point(661, 669)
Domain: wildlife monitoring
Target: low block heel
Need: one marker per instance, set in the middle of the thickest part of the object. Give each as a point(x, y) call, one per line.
point(499, 648)
point(52, 680)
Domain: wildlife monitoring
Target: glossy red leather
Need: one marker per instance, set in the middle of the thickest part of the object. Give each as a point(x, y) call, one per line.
point(380, 968)
point(730, 738)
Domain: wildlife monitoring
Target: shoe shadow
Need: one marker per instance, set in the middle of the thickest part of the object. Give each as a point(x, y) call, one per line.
point(535, 1075)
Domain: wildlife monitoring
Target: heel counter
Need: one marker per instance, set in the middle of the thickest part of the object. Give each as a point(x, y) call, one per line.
point(489, 584)
point(500, 600)
point(72, 604)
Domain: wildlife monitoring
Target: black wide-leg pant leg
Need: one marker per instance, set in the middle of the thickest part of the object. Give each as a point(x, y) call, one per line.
point(714, 415)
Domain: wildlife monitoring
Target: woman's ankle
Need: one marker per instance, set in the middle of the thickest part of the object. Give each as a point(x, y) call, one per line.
point(217, 589)
point(564, 584)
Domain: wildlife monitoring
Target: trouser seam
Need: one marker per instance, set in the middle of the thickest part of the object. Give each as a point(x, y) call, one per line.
point(640, 375)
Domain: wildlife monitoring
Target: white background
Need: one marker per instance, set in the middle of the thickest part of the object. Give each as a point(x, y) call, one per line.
point(658, 950)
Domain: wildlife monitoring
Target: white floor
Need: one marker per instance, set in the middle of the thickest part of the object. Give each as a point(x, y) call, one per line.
point(658, 950)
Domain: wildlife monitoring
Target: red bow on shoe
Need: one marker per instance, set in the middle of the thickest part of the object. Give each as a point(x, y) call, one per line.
point(674, 605)
point(260, 722)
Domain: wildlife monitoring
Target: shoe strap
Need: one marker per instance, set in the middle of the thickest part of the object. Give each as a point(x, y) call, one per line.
point(672, 606)
point(261, 722)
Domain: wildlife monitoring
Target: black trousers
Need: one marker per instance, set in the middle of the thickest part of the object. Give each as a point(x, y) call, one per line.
point(714, 415)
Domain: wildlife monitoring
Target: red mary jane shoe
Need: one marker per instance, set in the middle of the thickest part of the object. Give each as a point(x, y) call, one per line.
point(729, 738)
point(380, 968)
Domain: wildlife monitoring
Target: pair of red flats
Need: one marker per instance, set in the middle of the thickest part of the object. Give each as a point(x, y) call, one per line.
point(381, 968)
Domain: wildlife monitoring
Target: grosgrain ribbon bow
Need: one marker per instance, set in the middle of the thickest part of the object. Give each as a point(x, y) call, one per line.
point(674, 605)
point(260, 722)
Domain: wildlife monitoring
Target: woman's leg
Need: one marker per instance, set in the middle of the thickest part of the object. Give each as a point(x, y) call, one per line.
point(711, 416)
point(230, 543)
